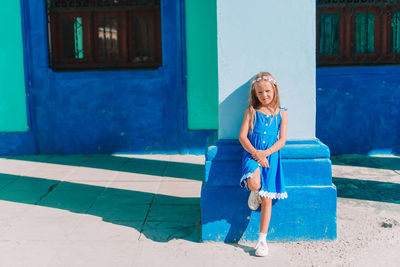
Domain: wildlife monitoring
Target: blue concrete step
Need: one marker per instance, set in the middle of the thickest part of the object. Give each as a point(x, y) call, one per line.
point(296, 171)
point(293, 149)
point(309, 212)
point(311, 166)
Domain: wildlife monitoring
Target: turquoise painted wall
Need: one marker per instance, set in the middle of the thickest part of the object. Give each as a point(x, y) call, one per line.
point(202, 64)
point(13, 116)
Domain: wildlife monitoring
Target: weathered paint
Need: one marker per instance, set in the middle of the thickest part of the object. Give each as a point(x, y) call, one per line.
point(13, 115)
point(141, 111)
point(308, 179)
point(260, 37)
point(358, 109)
point(202, 64)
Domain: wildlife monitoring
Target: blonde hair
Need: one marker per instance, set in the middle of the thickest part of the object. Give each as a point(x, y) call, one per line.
point(254, 103)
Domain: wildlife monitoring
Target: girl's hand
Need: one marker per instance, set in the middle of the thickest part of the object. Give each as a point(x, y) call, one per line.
point(259, 155)
point(264, 163)
point(261, 158)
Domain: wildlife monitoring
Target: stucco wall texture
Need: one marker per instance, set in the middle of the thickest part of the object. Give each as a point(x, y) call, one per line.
point(141, 111)
point(358, 109)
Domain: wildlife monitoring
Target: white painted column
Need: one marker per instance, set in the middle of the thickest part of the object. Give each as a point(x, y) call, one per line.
point(267, 35)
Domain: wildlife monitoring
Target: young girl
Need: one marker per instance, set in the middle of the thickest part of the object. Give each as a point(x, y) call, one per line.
point(262, 135)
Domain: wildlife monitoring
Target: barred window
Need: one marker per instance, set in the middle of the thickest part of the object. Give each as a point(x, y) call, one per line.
point(358, 32)
point(104, 34)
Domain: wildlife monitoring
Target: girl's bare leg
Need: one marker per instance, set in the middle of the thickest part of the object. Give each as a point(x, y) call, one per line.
point(254, 183)
point(266, 206)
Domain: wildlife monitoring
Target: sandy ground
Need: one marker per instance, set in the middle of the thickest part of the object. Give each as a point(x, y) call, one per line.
point(368, 231)
point(368, 235)
point(128, 212)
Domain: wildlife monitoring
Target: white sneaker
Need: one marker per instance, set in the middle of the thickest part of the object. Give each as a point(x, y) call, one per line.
point(254, 200)
point(261, 249)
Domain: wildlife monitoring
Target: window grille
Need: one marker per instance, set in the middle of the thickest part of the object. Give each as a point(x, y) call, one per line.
point(104, 34)
point(358, 32)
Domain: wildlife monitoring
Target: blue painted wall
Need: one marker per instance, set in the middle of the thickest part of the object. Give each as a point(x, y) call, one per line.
point(358, 109)
point(257, 37)
point(141, 111)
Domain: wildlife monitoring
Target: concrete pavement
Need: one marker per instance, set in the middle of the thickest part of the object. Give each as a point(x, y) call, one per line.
point(130, 210)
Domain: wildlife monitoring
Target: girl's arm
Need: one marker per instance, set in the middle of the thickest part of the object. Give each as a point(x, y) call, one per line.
point(246, 144)
point(282, 136)
point(244, 130)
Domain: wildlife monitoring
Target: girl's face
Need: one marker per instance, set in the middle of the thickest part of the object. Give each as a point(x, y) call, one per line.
point(264, 92)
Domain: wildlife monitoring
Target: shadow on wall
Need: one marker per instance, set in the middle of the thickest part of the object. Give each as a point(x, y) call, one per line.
point(232, 111)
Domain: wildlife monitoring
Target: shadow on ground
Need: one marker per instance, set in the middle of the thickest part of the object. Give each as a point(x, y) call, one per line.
point(157, 217)
point(116, 163)
point(388, 163)
point(367, 190)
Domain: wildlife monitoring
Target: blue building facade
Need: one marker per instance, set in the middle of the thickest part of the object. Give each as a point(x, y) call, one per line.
point(358, 84)
point(146, 111)
point(105, 111)
point(358, 109)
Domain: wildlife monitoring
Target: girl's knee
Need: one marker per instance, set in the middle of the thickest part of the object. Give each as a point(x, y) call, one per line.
point(253, 184)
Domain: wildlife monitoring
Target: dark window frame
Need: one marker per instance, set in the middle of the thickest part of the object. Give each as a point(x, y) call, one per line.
point(92, 60)
point(347, 10)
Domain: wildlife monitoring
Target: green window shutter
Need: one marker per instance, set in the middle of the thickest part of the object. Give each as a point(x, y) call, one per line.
point(396, 32)
point(78, 36)
point(329, 33)
point(365, 33)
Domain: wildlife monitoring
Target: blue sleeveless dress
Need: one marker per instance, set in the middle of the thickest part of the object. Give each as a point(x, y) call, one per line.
point(264, 135)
